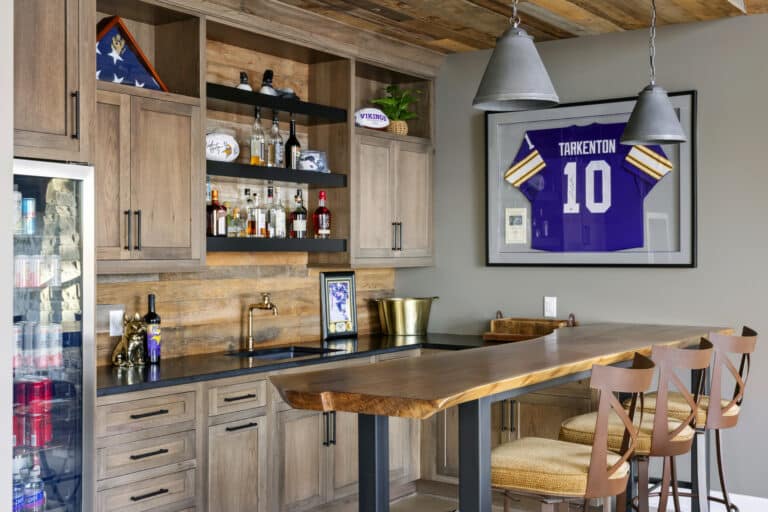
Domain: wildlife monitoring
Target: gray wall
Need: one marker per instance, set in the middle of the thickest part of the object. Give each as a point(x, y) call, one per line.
point(726, 62)
point(6, 243)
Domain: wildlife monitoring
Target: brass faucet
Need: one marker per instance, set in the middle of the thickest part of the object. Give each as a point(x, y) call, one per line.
point(267, 304)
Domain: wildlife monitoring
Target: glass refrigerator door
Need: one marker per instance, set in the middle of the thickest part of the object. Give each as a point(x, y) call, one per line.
point(48, 345)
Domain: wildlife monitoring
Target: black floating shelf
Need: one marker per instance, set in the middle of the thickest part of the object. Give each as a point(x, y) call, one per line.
point(237, 101)
point(221, 244)
point(258, 172)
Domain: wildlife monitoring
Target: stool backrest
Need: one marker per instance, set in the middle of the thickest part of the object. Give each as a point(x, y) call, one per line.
point(721, 415)
point(610, 380)
point(670, 360)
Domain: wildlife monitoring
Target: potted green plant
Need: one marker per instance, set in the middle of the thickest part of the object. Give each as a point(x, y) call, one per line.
point(397, 107)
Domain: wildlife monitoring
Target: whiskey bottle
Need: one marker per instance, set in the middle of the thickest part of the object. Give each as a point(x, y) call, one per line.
point(275, 145)
point(299, 218)
point(258, 141)
point(292, 147)
point(217, 216)
point(261, 213)
point(321, 219)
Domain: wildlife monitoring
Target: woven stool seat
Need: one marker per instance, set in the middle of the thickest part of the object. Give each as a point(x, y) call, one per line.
point(546, 466)
point(679, 409)
point(581, 429)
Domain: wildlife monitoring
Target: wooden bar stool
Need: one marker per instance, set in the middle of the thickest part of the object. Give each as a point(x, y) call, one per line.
point(716, 417)
point(660, 435)
point(555, 471)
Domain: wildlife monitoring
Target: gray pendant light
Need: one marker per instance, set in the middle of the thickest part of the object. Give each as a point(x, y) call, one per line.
point(515, 78)
point(653, 120)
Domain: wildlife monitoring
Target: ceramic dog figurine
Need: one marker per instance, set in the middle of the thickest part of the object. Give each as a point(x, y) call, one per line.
point(130, 351)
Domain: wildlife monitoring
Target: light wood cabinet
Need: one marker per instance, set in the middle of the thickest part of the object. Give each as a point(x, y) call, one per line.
point(149, 212)
point(392, 201)
point(300, 459)
point(54, 69)
point(237, 465)
point(342, 460)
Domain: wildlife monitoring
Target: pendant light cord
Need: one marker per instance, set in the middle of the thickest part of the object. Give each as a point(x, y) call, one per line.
point(515, 19)
point(652, 44)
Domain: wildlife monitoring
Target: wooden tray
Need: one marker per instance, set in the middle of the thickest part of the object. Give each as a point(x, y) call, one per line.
point(521, 329)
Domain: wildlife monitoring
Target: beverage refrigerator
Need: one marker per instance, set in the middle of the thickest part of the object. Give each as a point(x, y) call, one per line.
point(53, 337)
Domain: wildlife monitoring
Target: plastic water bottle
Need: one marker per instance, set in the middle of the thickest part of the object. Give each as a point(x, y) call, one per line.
point(34, 492)
point(18, 492)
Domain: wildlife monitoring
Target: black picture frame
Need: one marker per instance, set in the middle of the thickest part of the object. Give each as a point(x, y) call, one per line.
point(335, 286)
point(688, 246)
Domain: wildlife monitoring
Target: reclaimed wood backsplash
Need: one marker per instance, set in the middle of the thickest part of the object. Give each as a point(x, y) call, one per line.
point(206, 311)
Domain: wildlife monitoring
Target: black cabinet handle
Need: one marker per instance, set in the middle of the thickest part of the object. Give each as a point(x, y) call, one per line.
point(140, 456)
point(128, 230)
point(333, 426)
point(399, 236)
point(326, 437)
point(512, 427)
point(242, 427)
point(158, 412)
point(238, 398)
point(504, 416)
point(137, 213)
point(150, 495)
point(394, 236)
point(76, 97)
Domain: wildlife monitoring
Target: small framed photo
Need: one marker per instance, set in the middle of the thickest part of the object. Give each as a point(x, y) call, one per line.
point(338, 309)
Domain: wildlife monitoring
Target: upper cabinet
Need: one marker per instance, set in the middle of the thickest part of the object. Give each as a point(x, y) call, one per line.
point(54, 69)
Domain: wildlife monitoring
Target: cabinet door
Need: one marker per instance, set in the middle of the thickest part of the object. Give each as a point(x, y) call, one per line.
point(343, 464)
point(301, 459)
point(413, 199)
point(112, 160)
point(237, 462)
point(403, 450)
point(166, 180)
point(374, 217)
point(53, 78)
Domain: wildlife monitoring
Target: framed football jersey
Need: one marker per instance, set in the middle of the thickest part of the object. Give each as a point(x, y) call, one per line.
point(563, 190)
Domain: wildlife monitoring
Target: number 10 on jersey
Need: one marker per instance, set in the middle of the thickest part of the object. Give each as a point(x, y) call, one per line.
point(594, 167)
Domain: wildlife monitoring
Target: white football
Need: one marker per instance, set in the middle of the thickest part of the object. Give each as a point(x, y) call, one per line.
point(221, 147)
point(371, 118)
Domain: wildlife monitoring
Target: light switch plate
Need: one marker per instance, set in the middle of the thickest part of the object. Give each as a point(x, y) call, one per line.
point(550, 307)
point(116, 322)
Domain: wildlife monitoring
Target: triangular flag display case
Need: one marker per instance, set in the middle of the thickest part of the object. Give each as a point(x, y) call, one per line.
point(119, 58)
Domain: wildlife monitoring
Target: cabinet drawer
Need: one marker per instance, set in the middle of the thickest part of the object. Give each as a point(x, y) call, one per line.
point(126, 458)
point(237, 397)
point(144, 413)
point(154, 493)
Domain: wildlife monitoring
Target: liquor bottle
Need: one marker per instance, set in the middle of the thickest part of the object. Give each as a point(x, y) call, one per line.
point(322, 218)
point(233, 221)
point(269, 205)
point(152, 321)
point(275, 145)
point(207, 190)
point(299, 218)
point(258, 141)
point(18, 226)
point(244, 85)
point(292, 148)
point(217, 216)
point(277, 217)
point(262, 213)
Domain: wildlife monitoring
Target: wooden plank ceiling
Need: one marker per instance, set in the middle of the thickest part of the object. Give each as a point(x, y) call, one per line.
point(449, 26)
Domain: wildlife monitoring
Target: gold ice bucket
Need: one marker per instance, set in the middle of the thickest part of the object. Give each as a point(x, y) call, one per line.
point(405, 316)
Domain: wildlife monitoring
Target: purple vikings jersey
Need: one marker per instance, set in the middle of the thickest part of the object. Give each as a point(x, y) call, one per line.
point(586, 189)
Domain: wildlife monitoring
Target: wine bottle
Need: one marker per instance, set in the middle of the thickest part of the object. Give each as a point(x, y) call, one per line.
point(292, 148)
point(152, 321)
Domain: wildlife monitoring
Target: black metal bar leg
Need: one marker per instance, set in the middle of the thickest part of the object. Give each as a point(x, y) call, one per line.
point(475, 456)
point(700, 457)
point(373, 462)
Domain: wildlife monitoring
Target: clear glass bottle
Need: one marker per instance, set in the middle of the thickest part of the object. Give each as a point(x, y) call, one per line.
point(322, 218)
point(262, 213)
point(233, 222)
point(34, 492)
point(292, 147)
point(275, 144)
point(258, 141)
point(299, 218)
point(277, 216)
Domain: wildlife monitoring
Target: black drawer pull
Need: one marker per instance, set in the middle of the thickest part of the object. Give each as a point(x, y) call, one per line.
point(158, 412)
point(238, 398)
point(241, 427)
point(150, 495)
point(140, 456)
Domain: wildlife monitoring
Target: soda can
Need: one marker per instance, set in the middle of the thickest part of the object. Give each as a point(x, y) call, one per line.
point(35, 433)
point(28, 215)
point(18, 346)
point(55, 346)
point(35, 270)
point(20, 400)
point(20, 270)
point(54, 270)
point(41, 347)
point(19, 424)
point(36, 396)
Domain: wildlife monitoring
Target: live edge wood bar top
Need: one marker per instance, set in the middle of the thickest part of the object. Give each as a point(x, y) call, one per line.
point(420, 387)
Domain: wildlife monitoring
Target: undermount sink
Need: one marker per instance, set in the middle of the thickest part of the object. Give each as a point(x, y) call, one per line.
point(283, 352)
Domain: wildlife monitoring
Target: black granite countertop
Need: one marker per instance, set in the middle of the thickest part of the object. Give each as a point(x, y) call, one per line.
point(184, 370)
